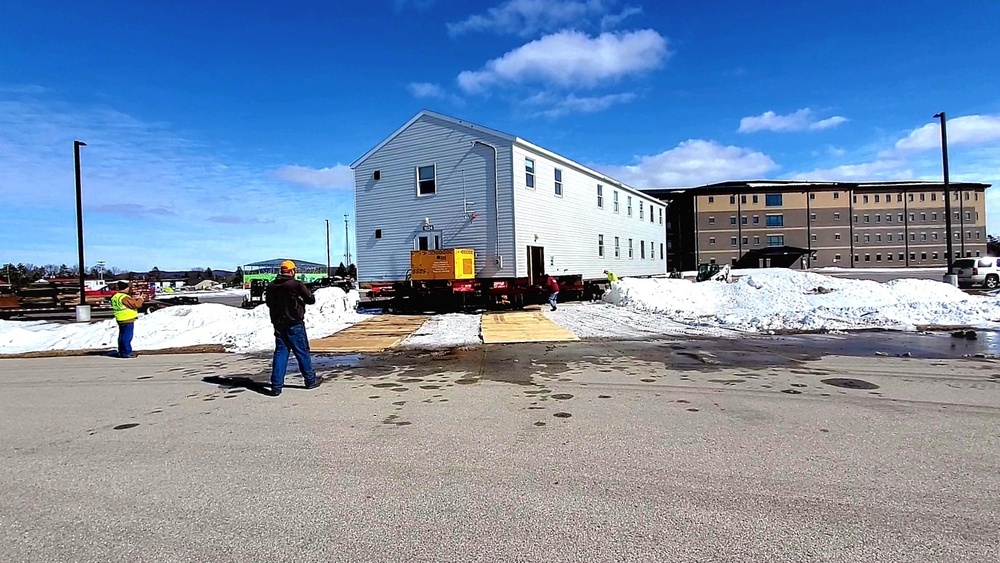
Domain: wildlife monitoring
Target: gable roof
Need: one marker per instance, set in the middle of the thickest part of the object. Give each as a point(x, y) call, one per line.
point(441, 116)
point(512, 139)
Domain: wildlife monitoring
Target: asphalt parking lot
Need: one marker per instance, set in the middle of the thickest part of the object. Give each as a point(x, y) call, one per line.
point(777, 449)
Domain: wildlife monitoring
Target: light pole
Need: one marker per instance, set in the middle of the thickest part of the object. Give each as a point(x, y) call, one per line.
point(947, 194)
point(347, 242)
point(328, 248)
point(79, 216)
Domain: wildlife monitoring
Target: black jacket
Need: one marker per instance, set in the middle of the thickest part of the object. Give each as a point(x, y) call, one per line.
point(287, 298)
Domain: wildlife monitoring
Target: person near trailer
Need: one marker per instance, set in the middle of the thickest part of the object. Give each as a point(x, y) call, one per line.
point(611, 276)
point(286, 299)
point(126, 309)
point(553, 286)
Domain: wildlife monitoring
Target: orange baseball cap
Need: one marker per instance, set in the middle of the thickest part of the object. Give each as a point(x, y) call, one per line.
point(287, 266)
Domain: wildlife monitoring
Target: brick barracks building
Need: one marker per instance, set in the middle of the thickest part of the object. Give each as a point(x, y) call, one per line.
point(844, 224)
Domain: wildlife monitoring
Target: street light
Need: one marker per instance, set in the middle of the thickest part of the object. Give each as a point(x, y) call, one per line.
point(947, 194)
point(79, 216)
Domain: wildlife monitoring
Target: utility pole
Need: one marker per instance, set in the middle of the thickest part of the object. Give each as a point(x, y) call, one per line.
point(347, 242)
point(947, 191)
point(79, 216)
point(327, 248)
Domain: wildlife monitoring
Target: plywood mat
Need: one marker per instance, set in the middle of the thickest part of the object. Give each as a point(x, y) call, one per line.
point(372, 335)
point(522, 326)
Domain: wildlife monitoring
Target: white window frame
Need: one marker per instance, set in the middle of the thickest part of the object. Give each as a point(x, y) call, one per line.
point(600, 246)
point(433, 179)
point(529, 173)
point(557, 181)
point(600, 196)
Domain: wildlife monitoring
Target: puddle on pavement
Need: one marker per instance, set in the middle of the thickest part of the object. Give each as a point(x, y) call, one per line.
point(848, 383)
point(126, 426)
point(562, 415)
point(561, 396)
point(327, 362)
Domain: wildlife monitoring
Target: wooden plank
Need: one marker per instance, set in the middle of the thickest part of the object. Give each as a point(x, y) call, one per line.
point(376, 334)
point(522, 326)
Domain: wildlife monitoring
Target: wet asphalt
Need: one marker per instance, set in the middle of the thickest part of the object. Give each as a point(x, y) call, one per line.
point(865, 447)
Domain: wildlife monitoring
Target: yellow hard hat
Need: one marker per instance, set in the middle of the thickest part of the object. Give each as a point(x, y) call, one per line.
point(287, 266)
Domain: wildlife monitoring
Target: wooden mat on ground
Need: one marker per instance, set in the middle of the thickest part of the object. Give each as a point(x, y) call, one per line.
point(522, 326)
point(378, 333)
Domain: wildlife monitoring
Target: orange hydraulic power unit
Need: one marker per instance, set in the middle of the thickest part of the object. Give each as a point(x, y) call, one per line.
point(445, 264)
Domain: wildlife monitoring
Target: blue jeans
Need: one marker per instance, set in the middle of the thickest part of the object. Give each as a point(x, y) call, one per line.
point(552, 298)
point(125, 331)
point(292, 338)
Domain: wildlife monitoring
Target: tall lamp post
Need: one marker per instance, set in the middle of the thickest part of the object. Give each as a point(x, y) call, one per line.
point(947, 196)
point(79, 217)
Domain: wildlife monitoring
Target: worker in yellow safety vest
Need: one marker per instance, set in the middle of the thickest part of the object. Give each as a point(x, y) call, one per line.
point(126, 310)
point(611, 276)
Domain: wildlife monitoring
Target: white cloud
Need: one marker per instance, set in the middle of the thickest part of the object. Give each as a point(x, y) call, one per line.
point(527, 18)
point(571, 59)
point(692, 163)
point(340, 177)
point(560, 106)
point(426, 90)
point(864, 172)
point(970, 130)
point(801, 120)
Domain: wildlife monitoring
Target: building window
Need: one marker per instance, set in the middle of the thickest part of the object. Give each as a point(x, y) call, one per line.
point(618, 250)
point(923, 217)
point(836, 236)
point(966, 196)
point(836, 216)
point(857, 258)
point(711, 241)
point(934, 236)
point(968, 215)
point(934, 216)
point(913, 217)
point(650, 212)
point(923, 255)
point(746, 241)
point(661, 251)
point(426, 182)
point(743, 220)
point(857, 238)
point(628, 205)
point(868, 238)
point(868, 219)
point(923, 197)
point(855, 199)
point(776, 240)
point(614, 200)
point(529, 173)
point(888, 237)
point(968, 235)
point(888, 257)
point(836, 195)
point(923, 236)
point(652, 250)
point(876, 198)
point(600, 196)
point(900, 217)
point(772, 200)
point(756, 201)
point(600, 246)
point(888, 198)
point(642, 250)
point(812, 195)
point(812, 216)
point(902, 257)
point(711, 220)
point(878, 238)
point(899, 199)
point(378, 233)
point(642, 216)
point(743, 199)
point(711, 199)
point(878, 217)
point(909, 197)
point(836, 258)
point(865, 199)
point(732, 241)
point(661, 216)
point(977, 235)
point(813, 238)
point(934, 198)
point(888, 217)
point(935, 255)
point(913, 237)
point(775, 221)
point(756, 220)
point(558, 183)
point(913, 255)
point(630, 254)
point(732, 219)
point(732, 200)
point(756, 241)
point(855, 218)
point(868, 257)
point(878, 257)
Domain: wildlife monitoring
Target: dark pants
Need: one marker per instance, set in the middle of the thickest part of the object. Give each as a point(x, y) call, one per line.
point(125, 331)
point(291, 338)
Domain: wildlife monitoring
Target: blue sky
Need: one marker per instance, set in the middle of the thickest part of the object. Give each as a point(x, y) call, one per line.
point(220, 132)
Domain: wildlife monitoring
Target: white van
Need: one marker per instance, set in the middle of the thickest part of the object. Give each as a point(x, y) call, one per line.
point(983, 271)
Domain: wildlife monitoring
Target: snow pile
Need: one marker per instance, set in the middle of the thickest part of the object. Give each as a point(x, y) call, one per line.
point(791, 301)
point(446, 331)
point(239, 330)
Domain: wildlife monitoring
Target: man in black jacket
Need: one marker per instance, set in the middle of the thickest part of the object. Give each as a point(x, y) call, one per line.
point(286, 298)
